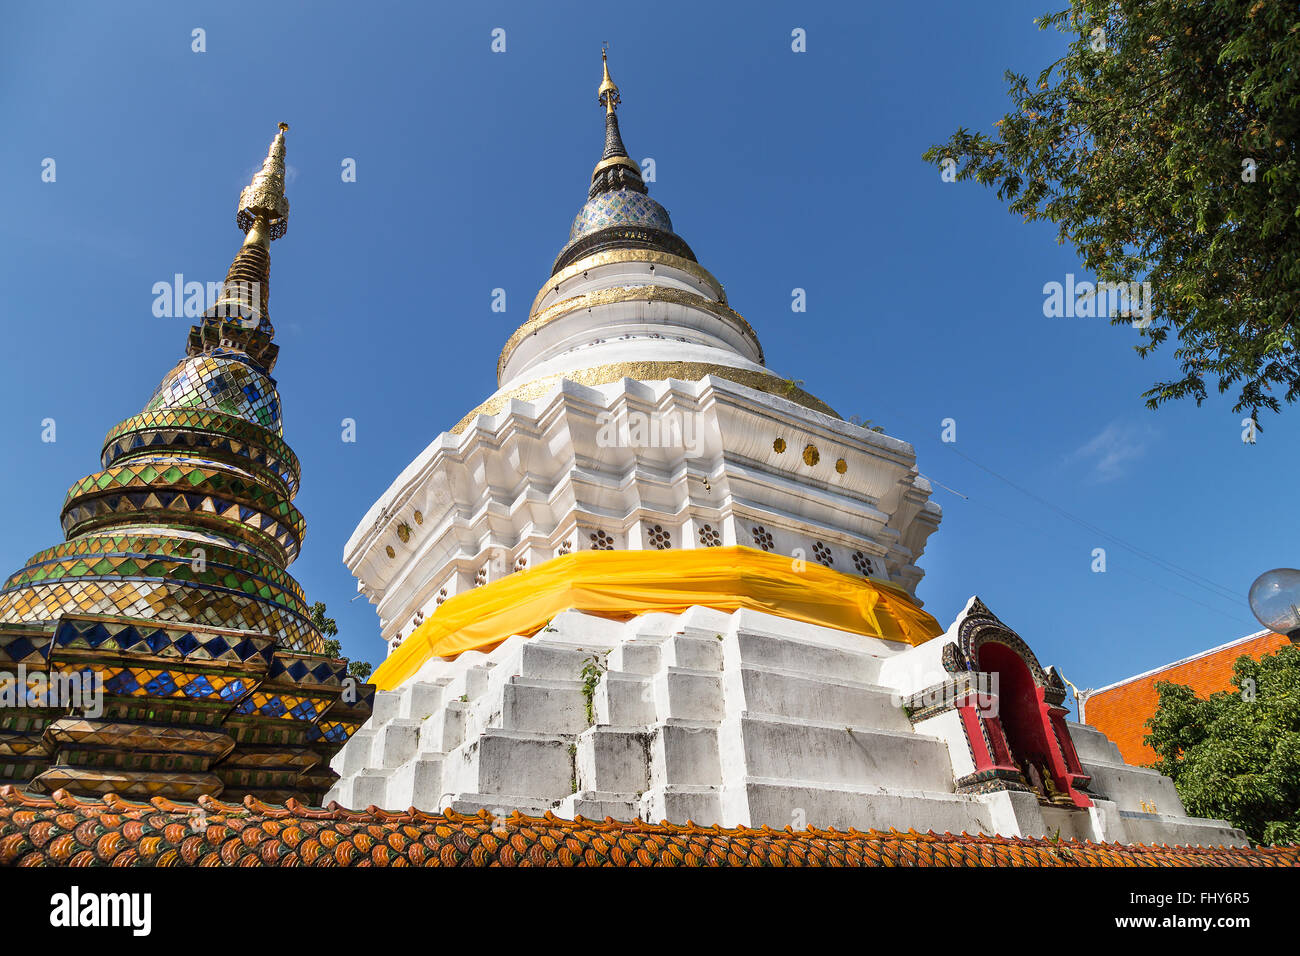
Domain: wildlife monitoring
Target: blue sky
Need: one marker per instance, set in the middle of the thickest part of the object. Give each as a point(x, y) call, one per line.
point(780, 169)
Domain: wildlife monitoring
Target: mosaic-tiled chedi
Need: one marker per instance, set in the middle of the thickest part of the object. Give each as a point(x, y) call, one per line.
point(163, 649)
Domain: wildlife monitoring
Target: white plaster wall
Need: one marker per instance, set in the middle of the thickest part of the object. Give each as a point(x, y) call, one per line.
point(541, 477)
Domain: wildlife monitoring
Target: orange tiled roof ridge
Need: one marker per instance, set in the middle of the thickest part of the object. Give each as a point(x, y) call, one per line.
point(63, 830)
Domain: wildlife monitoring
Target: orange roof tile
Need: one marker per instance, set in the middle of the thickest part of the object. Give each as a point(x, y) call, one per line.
point(1121, 710)
point(67, 831)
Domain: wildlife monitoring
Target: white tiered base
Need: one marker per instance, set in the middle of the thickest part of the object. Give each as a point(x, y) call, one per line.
point(742, 719)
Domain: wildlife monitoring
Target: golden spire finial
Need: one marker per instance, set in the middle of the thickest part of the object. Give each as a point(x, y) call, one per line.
point(607, 96)
point(263, 211)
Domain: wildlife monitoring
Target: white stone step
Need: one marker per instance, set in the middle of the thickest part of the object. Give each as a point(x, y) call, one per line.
point(444, 730)
point(385, 707)
point(597, 805)
point(584, 631)
point(506, 654)
point(512, 761)
point(500, 805)
point(680, 803)
point(831, 754)
point(703, 620)
point(651, 627)
point(613, 761)
point(417, 783)
point(363, 789)
point(685, 752)
point(624, 700)
point(1166, 829)
point(484, 711)
point(758, 802)
point(1129, 787)
point(355, 754)
point(1092, 745)
point(697, 650)
point(788, 654)
point(688, 693)
point(544, 706)
point(636, 657)
point(394, 743)
point(476, 680)
point(421, 698)
point(547, 660)
point(784, 693)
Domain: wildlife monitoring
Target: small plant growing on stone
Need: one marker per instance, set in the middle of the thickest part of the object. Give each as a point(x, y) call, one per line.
point(865, 423)
point(592, 668)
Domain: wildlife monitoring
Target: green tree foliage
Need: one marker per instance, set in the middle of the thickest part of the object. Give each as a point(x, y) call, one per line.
point(326, 625)
point(332, 647)
point(1138, 145)
point(1236, 754)
point(359, 669)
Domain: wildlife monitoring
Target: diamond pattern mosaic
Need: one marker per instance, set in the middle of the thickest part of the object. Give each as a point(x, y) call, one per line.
point(221, 380)
point(219, 433)
point(163, 602)
point(155, 556)
point(182, 569)
point(617, 208)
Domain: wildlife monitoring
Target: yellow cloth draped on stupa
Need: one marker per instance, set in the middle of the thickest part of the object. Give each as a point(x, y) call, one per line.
point(624, 584)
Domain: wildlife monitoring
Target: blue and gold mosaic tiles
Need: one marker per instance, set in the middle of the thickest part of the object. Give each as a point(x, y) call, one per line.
point(185, 490)
point(166, 602)
point(164, 555)
point(221, 380)
point(215, 433)
point(618, 208)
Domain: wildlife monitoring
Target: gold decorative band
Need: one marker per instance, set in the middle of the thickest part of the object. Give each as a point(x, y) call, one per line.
point(611, 256)
point(639, 293)
point(614, 161)
point(649, 372)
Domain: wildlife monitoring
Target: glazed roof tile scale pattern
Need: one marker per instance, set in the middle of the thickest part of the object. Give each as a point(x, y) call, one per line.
point(172, 587)
point(62, 830)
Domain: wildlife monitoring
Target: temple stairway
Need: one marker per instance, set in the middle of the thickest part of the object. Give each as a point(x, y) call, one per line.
point(1146, 802)
point(738, 719)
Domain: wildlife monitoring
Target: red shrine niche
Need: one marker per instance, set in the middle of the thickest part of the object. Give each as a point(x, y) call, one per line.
point(1016, 725)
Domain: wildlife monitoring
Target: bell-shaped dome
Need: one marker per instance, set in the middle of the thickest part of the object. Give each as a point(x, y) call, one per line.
point(620, 207)
point(222, 380)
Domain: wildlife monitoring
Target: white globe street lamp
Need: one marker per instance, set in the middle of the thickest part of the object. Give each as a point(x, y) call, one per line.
point(1275, 601)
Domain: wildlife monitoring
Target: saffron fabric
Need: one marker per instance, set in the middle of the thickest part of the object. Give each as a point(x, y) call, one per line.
point(624, 584)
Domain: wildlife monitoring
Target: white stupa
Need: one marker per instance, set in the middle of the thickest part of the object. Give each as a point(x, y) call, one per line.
point(651, 578)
